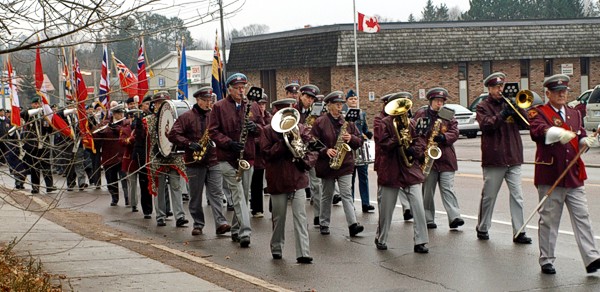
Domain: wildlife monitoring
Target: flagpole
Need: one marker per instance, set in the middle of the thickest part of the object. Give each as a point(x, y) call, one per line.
point(356, 55)
point(223, 41)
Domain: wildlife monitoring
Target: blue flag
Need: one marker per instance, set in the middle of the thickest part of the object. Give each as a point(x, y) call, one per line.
point(182, 82)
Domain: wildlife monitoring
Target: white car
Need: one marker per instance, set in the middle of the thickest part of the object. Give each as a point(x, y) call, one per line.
point(467, 121)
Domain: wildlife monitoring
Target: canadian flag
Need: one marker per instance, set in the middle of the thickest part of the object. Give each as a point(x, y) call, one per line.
point(367, 23)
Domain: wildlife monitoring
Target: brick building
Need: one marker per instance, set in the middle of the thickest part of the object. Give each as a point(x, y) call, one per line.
point(417, 56)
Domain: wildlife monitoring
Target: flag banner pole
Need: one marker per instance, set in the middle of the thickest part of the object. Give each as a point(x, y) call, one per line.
point(356, 54)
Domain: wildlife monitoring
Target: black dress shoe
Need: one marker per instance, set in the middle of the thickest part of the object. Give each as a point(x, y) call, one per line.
point(431, 226)
point(161, 223)
point(421, 248)
point(407, 215)
point(245, 241)
point(304, 260)
point(316, 221)
point(368, 208)
point(35, 191)
point(181, 222)
point(276, 256)
point(324, 230)
point(146, 216)
point(83, 186)
point(593, 267)
point(379, 245)
point(336, 199)
point(456, 223)
point(235, 237)
point(522, 239)
point(50, 189)
point(134, 209)
point(169, 214)
point(483, 235)
point(548, 269)
point(355, 229)
point(113, 203)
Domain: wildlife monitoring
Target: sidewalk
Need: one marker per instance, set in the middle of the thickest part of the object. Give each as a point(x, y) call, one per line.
point(91, 265)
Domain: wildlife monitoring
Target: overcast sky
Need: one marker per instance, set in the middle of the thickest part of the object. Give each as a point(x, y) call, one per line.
point(281, 15)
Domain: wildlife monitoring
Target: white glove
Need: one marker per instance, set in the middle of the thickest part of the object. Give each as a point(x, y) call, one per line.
point(591, 141)
point(558, 134)
point(566, 136)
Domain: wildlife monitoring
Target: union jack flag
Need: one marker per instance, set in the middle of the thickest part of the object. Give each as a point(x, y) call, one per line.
point(104, 87)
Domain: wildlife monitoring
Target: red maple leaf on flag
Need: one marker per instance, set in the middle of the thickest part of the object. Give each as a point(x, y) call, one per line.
point(371, 23)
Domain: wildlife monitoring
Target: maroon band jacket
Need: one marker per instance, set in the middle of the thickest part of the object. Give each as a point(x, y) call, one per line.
point(188, 128)
point(447, 162)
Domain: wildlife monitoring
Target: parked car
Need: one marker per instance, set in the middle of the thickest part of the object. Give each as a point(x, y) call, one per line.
point(592, 110)
point(473, 107)
point(580, 103)
point(467, 121)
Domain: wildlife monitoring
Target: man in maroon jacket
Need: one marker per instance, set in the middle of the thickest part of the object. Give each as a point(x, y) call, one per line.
point(227, 120)
point(189, 131)
point(396, 177)
point(442, 169)
point(112, 151)
point(501, 157)
point(287, 177)
point(327, 129)
point(559, 135)
point(262, 118)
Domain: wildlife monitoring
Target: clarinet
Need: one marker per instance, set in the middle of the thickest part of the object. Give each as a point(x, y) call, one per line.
point(242, 163)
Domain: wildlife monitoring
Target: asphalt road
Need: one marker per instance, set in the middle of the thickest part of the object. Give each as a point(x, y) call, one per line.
point(457, 260)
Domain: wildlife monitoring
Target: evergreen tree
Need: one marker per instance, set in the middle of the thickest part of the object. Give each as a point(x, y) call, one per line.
point(429, 12)
point(411, 18)
point(441, 13)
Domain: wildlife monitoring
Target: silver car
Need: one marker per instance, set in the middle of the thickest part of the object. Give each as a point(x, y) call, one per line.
point(467, 121)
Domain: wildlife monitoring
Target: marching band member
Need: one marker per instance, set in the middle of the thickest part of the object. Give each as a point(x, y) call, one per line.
point(159, 167)
point(559, 135)
point(291, 90)
point(74, 157)
point(129, 164)
point(38, 158)
point(191, 131)
point(377, 129)
point(226, 128)
point(401, 149)
point(139, 138)
point(501, 158)
point(362, 170)
point(287, 179)
point(309, 94)
point(262, 118)
point(443, 168)
point(334, 131)
point(112, 151)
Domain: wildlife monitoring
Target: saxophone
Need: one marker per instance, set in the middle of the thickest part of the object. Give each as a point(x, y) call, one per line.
point(242, 163)
point(206, 143)
point(341, 148)
point(433, 151)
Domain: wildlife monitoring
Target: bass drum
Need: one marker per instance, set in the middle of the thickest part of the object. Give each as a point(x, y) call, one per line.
point(365, 154)
point(168, 113)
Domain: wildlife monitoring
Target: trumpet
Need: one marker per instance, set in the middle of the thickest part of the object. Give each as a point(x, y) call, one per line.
point(523, 99)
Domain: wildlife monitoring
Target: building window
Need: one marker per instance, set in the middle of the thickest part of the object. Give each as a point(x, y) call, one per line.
point(486, 66)
point(524, 68)
point(462, 71)
point(548, 67)
point(585, 66)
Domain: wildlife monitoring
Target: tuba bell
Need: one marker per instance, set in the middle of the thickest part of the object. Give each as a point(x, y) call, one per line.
point(399, 109)
point(285, 121)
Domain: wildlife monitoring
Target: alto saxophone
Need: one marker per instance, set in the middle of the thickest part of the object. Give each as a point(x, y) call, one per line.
point(206, 143)
point(341, 148)
point(433, 151)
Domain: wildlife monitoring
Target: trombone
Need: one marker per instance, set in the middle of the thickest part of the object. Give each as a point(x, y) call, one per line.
point(523, 99)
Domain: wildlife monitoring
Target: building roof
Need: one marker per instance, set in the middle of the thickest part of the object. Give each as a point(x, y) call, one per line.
point(197, 57)
point(418, 42)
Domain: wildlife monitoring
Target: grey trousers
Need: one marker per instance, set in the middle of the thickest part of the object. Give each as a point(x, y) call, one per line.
point(347, 202)
point(549, 221)
point(279, 202)
point(316, 191)
point(197, 177)
point(492, 180)
point(132, 188)
point(240, 224)
point(387, 204)
point(160, 204)
point(446, 182)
